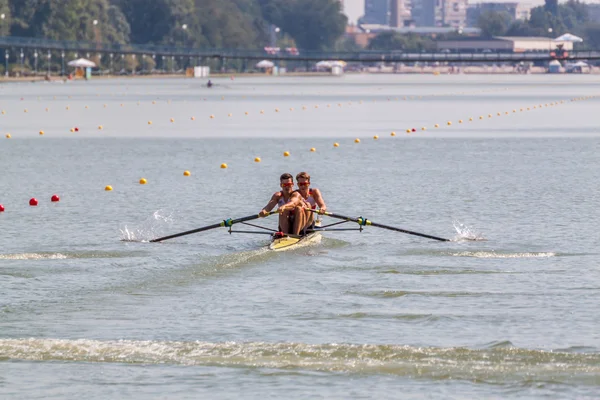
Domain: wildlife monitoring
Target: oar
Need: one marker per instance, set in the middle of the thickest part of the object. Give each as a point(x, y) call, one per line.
point(227, 222)
point(363, 221)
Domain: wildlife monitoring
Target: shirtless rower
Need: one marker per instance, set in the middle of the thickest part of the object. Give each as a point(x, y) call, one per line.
point(289, 204)
point(312, 199)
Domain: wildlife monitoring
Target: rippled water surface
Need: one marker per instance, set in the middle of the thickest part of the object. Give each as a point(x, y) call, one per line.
point(508, 308)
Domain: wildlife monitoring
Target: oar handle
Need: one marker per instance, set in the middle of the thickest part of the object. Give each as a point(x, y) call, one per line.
point(364, 222)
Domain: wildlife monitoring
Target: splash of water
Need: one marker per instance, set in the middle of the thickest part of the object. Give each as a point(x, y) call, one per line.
point(465, 232)
point(152, 227)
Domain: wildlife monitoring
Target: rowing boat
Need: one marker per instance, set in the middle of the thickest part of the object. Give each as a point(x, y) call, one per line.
point(289, 242)
point(281, 241)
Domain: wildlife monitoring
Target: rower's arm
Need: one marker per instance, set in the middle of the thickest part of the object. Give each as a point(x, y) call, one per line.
point(270, 205)
point(294, 201)
point(319, 200)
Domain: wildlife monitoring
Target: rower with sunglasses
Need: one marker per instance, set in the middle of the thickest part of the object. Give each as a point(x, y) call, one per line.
point(312, 199)
point(292, 216)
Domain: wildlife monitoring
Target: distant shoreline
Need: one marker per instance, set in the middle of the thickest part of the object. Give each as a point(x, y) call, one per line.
point(467, 70)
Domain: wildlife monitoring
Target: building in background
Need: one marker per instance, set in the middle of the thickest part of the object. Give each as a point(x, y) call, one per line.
point(440, 13)
point(376, 12)
point(400, 13)
point(516, 11)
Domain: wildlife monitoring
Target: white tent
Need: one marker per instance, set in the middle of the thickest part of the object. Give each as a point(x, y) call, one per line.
point(81, 63)
point(567, 37)
point(323, 64)
point(265, 64)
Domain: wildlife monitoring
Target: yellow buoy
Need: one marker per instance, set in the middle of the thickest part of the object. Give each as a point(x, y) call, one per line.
point(256, 159)
point(143, 181)
point(489, 115)
point(286, 153)
point(100, 127)
point(357, 140)
point(499, 114)
point(47, 109)
point(149, 122)
point(212, 116)
point(460, 121)
point(72, 130)
point(25, 110)
point(41, 132)
point(423, 129)
point(291, 108)
point(193, 118)
point(223, 166)
point(67, 107)
point(449, 122)
point(105, 106)
point(153, 102)
point(172, 119)
point(277, 110)
point(230, 115)
point(262, 111)
point(393, 134)
point(3, 112)
point(437, 125)
point(408, 131)
point(108, 188)
point(336, 145)
point(481, 117)
point(375, 137)
point(86, 107)
point(313, 149)
point(8, 136)
point(470, 118)
point(186, 173)
point(246, 113)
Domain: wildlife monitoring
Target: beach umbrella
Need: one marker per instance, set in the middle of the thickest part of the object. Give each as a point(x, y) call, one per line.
point(323, 64)
point(567, 37)
point(81, 63)
point(265, 64)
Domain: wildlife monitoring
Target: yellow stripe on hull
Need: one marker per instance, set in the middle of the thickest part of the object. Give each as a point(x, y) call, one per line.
point(288, 243)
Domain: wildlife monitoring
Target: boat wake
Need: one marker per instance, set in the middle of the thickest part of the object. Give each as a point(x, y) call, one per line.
point(496, 362)
point(466, 233)
point(494, 254)
point(149, 229)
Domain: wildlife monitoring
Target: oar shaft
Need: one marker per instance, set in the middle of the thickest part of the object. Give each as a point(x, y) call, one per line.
point(225, 223)
point(364, 221)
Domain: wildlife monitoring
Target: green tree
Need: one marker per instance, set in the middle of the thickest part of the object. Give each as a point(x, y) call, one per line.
point(389, 41)
point(5, 22)
point(494, 23)
point(314, 24)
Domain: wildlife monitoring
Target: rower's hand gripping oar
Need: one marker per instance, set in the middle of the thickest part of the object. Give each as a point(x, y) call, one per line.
point(364, 222)
point(225, 223)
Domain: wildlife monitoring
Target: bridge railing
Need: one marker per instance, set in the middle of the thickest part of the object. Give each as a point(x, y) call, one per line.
point(366, 56)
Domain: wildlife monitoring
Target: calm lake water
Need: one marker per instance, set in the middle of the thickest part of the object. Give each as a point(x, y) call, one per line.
point(89, 308)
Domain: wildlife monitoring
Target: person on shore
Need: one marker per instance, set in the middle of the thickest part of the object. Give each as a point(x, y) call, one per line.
point(289, 205)
point(312, 199)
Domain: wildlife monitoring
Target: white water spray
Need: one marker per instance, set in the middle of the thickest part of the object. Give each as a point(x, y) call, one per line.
point(465, 232)
point(148, 229)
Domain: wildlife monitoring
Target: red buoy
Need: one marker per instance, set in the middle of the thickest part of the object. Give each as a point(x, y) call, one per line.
point(76, 129)
point(33, 202)
point(414, 130)
point(55, 198)
point(1, 208)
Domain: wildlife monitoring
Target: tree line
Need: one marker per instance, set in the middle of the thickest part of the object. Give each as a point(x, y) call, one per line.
point(306, 24)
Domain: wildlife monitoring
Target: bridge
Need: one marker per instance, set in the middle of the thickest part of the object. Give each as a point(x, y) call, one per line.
point(47, 48)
